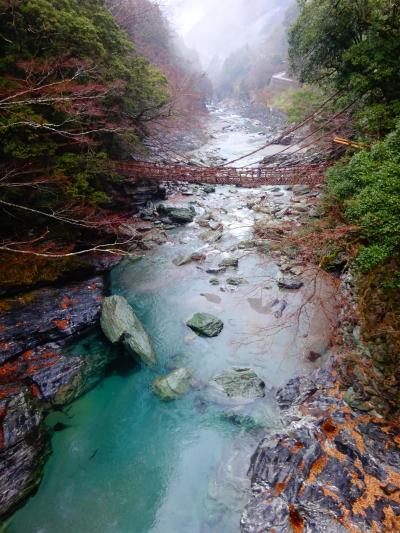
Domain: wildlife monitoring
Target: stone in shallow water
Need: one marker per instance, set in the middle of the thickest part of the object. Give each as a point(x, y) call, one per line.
point(215, 270)
point(239, 383)
point(290, 283)
point(120, 325)
point(235, 281)
point(254, 415)
point(178, 214)
point(173, 385)
point(203, 222)
point(229, 262)
point(182, 260)
point(211, 236)
point(205, 324)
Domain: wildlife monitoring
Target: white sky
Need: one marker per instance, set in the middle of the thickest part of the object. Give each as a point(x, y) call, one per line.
point(184, 14)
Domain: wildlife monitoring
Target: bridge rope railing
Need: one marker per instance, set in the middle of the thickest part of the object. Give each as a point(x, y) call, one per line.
point(305, 174)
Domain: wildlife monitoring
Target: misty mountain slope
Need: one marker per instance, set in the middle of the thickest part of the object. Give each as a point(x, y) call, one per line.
point(231, 25)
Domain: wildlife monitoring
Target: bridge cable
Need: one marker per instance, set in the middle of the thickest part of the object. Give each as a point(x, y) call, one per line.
point(304, 138)
point(286, 132)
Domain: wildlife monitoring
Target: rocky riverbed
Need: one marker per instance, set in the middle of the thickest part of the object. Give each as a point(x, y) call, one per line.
point(230, 313)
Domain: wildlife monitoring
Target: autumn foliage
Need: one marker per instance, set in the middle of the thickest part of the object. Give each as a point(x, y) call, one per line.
point(76, 94)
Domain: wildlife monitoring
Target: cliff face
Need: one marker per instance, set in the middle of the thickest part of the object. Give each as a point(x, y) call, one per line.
point(36, 374)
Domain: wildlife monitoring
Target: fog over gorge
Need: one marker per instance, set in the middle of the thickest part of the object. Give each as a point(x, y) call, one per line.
point(216, 30)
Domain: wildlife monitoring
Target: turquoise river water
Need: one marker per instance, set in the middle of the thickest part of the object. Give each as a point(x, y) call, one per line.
point(129, 463)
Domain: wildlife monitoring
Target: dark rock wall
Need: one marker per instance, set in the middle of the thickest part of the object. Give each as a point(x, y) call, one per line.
point(36, 375)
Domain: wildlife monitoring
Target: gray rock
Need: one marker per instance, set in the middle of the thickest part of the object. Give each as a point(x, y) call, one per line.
point(235, 281)
point(47, 315)
point(209, 189)
point(173, 385)
point(215, 270)
point(202, 222)
point(120, 325)
point(281, 306)
point(130, 231)
point(214, 225)
point(290, 283)
point(205, 324)
point(211, 236)
point(182, 260)
point(178, 214)
point(298, 190)
point(229, 262)
point(324, 444)
point(239, 384)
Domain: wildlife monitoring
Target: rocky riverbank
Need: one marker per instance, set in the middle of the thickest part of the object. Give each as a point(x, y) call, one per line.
point(335, 467)
point(332, 466)
point(331, 469)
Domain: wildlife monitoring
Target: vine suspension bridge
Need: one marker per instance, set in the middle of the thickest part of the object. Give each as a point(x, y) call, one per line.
point(250, 176)
point(244, 177)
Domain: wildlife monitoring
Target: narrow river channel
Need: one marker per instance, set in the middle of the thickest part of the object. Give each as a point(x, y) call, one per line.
point(126, 462)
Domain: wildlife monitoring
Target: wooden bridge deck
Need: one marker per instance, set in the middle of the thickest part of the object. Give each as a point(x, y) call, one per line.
point(245, 177)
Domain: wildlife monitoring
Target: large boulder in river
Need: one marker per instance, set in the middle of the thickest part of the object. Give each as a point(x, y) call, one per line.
point(205, 324)
point(178, 214)
point(120, 325)
point(173, 385)
point(240, 384)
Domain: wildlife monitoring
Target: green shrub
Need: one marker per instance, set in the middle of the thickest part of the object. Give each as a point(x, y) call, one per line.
point(368, 190)
point(298, 103)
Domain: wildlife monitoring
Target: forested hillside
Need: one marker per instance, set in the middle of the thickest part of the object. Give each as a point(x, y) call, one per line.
point(352, 50)
point(80, 84)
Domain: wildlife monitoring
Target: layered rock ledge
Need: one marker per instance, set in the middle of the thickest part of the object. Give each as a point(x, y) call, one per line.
point(333, 469)
point(36, 375)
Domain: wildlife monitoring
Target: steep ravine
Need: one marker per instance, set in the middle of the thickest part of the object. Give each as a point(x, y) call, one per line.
point(124, 460)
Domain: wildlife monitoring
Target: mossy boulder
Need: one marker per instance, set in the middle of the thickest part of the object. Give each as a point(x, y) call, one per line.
point(239, 384)
point(121, 326)
point(235, 281)
point(205, 324)
point(173, 385)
